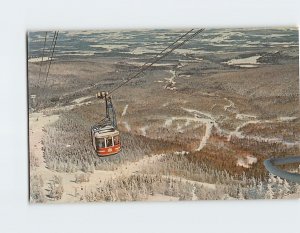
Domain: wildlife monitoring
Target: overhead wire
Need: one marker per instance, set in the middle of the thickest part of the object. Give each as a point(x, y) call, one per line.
point(51, 57)
point(165, 49)
point(43, 54)
point(152, 58)
point(186, 37)
point(158, 58)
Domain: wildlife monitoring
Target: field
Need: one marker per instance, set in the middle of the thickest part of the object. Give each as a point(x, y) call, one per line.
point(196, 126)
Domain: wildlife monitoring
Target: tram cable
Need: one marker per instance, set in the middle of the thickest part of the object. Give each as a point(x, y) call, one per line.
point(166, 48)
point(146, 67)
point(51, 57)
point(105, 135)
point(41, 64)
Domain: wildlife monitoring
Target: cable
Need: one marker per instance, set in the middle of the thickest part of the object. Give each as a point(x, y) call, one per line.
point(166, 49)
point(41, 64)
point(142, 67)
point(51, 57)
point(153, 58)
point(159, 58)
point(40, 90)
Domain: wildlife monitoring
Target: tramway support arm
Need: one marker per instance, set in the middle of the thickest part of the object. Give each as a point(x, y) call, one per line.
point(110, 111)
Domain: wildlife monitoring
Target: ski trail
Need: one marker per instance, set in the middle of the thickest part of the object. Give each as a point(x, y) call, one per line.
point(240, 116)
point(81, 99)
point(127, 126)
point(251, 119)
point(231, 107)
point(179, 128)
point(208, 120)
point(125, 110)
point(144, 129)
point(239, 134)
point(206, 136)
point(201, 117)
point(170, 81)
point(168, 122)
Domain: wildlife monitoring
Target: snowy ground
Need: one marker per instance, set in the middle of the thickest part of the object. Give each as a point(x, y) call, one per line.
point(74, 191)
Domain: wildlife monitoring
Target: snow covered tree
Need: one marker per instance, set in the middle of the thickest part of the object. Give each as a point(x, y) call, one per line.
point(297, 189)
point(272, 178)
point(240, 195)
point(278, 188)
point(286, 188)
point(56, 189)
point(269, 193)
point(36, 189)
point(260, 190)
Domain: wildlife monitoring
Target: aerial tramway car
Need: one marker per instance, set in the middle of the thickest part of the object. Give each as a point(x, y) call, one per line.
point(105, 135)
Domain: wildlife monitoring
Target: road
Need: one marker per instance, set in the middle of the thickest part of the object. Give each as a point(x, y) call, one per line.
point(272, 163)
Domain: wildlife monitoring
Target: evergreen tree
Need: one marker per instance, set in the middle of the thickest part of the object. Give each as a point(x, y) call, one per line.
point(240, 195)
point(272, 178)
point(269, 193)
point(261, 191)
point(278, 187)
point(286, 188)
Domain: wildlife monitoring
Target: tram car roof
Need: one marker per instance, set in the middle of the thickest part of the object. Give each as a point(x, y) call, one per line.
point(104, 131)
